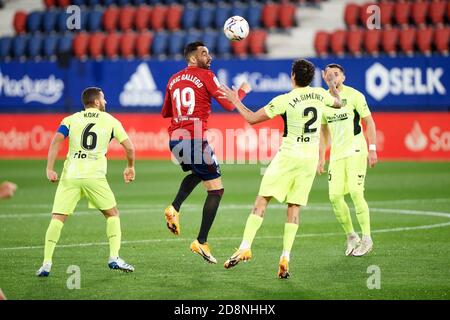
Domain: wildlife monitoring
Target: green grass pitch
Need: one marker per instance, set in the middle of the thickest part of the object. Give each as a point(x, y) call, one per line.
point(410, 213)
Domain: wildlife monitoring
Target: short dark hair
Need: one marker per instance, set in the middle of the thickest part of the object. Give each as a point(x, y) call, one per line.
point(303, 71)
point(192, 47)
point(89, 95)
point(335, 65)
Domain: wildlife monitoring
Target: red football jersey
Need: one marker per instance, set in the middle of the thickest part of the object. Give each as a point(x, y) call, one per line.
point(188, 101)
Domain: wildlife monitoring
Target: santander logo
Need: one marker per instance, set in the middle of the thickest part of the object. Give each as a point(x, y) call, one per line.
point(416, 140)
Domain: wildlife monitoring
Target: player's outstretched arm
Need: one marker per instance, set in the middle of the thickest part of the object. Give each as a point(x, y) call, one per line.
point(129, 173)
point(58, 138)
point(372, 137)
point(250, 116)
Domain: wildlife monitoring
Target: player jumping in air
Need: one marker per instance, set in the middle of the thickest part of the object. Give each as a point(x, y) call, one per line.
point(84, 174)
point(291, 173)
point(188, 103)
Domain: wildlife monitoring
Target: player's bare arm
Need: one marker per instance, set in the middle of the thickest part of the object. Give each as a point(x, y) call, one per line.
point(58, 138)
point(250, 116)
point(129, 173)
point(323, 145)
point(372, 137)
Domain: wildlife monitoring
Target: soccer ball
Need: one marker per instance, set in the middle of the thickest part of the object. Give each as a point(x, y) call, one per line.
point(236, 28)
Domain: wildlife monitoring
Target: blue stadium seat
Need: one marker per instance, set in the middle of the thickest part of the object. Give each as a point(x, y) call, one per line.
point(78, 2)
point(94, 22)
point(108, 3)
point(49, 46)
point(209, 38)
point(239, 9)
point(159, 46)
point(34, 20)
point(123, 2)
point(49, 21)
point(206, 15)
point(192, 36)
point(19, 44)
point(176, 43)
point(5, 47)
point(254, 15)
point(65, 43)
point(34, 46)
point(189, 18)
point(222, 14)
point(223, 45)
point(92, 3)
point(139, 2)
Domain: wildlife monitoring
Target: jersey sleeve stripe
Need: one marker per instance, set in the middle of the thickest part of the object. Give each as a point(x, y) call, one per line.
point(63, 130)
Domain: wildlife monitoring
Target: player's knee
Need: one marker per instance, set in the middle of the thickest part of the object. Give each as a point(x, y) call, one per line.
point(336, 198)
point(218, 192)
point(358, 200)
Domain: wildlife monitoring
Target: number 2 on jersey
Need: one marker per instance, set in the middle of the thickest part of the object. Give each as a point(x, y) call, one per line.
point(186, 99)
point(311, 121)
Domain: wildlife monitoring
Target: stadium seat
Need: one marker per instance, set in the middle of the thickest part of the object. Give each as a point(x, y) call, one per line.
point(49, 46)
point(92, 3)
point(139, 2)
point(107, 3)
point(239, 9)
point(254, 15)
point(222, 14)
point(111, 46)
point(372, 39)
point(437, 11)
point(96, 44)
point(143, 44)
point(364, 15)
point(321, 43)
point(128, 45)
point(34, 46)
point(20, 21)
point(63, 3)
point(110, 19)
point(223, 45)
point(79, 2)
point(34, 21)
point(159, 45)
point(94, 22)
point(65, 44)
point(189, 18)
point(158, 19)
point(174, 14)
point(206, 14)
point(407, 39)
point(143, 15)
point(424, 38)
point(389, 39)
point(123, 3)
point(49, 3)
point(240, 48)
point(337, 42)
point(419, 12)
point(354, 40)
point(402, 11)
point(126, 18)
point(176, 43)
point(80, 45)
point(61, 21)
point(209, 38)
point(351, 14)
point(257, 42)
point(192, 36)
point(5, 47)
point(19, 44)
point(386, 12)
point(270, 13)
point(49, 20)
point(441, 39)
point(287, 15)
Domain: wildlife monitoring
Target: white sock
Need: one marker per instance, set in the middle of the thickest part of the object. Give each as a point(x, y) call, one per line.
point(285, 254)
point(244, 245)
point(352, 236)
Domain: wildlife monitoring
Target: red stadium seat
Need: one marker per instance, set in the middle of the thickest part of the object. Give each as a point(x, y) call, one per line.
point(407, 39)
point(63, 3)
point(420, 12)
point(96, 43)
point(372, 39)
point(389, 40)
point(354, 41)
point(49, 3)
point(448, 12)
point(402, 12)
point(364, 15)
point(269, 15)
point(321, 43)
point(143, 15)
point(351, 14)
point(143, 44)
point(112, 45)
point(337, 42)
point(110, 19)
point(128, 44)
point(126, 18)
point(240, 48)
point(257, 42)
point(387, 12)
point(441, 39)
point(424, 38)
point(80, 45)
point(287, 15)
point(437, 11)
point(174, 14)
point(158, 19)
point(20, 21)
